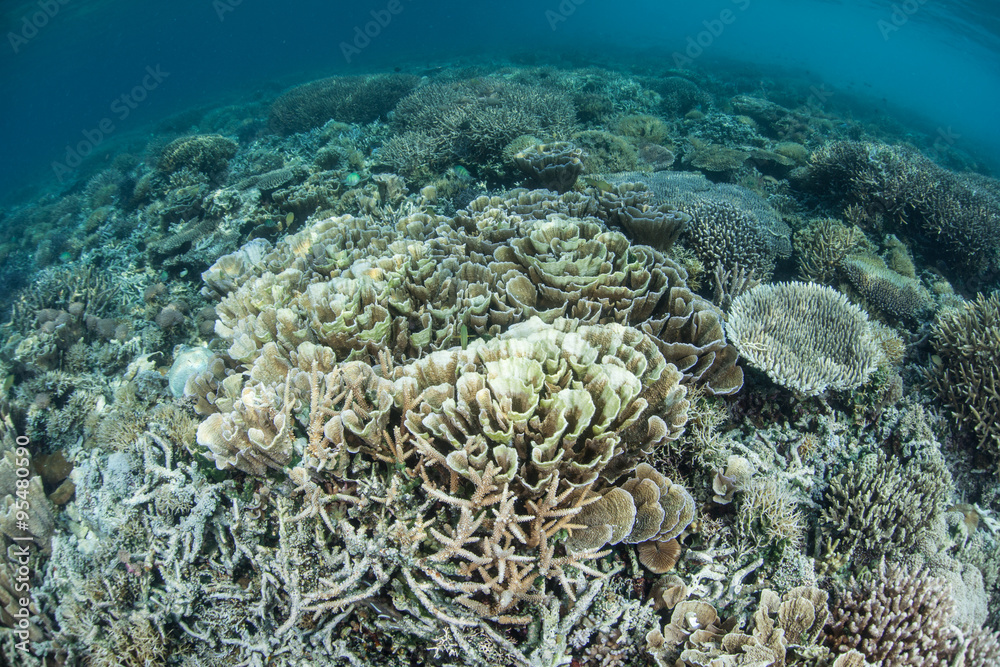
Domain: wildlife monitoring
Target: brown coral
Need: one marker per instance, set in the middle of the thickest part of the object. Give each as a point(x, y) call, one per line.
point(895, 617)
point(964, 373)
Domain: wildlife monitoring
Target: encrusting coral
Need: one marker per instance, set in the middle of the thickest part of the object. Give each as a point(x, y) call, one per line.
point(805, 336)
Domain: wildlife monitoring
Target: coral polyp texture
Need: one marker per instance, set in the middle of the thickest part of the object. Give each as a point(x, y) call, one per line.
point(806, 337)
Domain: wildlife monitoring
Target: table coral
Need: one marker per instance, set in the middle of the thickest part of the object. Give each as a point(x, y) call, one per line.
point(805, 336)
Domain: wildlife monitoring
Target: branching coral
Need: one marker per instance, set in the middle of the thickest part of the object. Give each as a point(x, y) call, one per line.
point(964, 373)
point(960, 218)
point(882, 505)
point(895, 617)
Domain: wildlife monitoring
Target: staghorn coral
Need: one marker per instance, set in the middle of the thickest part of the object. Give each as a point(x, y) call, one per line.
point(349, 99)
point(964, 372)
point(554, 166)
point(886, 290)
point(805, 336)
point(895, 616)
point(882, 504)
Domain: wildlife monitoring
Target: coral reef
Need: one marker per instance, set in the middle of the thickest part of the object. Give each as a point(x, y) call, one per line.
point(806, 337)
point(316, 386)
point(898, 187)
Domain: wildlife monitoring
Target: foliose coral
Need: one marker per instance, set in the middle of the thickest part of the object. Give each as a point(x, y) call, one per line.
point(507, 461)
point(783, 627)
point(805, 336)
point(554, 166)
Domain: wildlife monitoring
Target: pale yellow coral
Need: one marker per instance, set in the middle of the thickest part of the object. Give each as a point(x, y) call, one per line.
point(805, 336)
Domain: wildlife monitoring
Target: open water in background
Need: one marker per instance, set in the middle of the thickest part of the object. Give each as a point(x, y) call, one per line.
point(935, 62)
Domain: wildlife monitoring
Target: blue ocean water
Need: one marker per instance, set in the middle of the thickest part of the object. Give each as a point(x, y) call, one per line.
point(65, 63)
